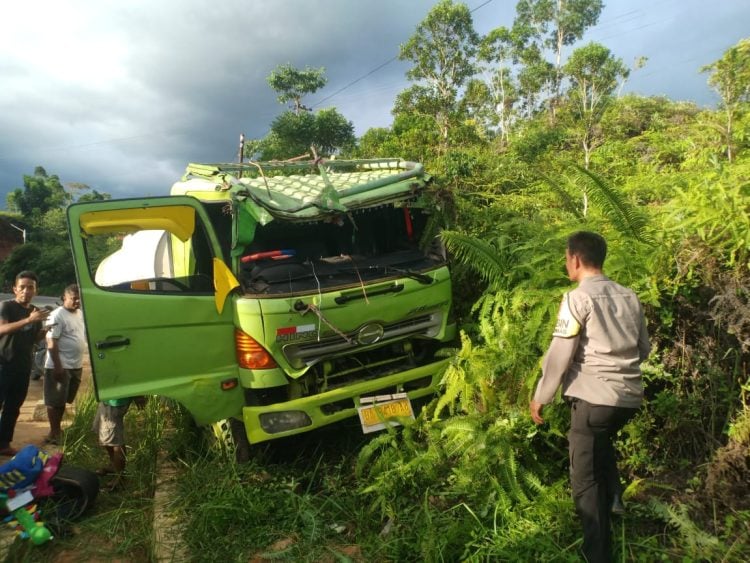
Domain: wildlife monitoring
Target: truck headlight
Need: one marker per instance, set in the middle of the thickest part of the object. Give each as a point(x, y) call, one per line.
point(275, 422)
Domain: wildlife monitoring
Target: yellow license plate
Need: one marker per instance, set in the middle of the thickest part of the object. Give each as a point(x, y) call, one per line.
point(373, 417)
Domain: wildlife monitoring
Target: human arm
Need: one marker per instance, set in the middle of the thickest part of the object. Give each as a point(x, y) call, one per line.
point(559, 356)
point(7, 327)
point(54, 353)
point(556, 362)
point(644, 345)
point(535, 409)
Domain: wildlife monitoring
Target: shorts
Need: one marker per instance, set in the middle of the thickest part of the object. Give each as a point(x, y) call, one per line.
point(57, 393)
point(109, 424)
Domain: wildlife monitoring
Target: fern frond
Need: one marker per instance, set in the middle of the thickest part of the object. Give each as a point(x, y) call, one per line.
point(369, 450)
point(458, 434)
point(624, 217)
point(568, 203)
point(700, 542)
point(483, 257)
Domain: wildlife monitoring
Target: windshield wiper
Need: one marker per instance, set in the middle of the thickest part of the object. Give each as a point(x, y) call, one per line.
point(421, 278)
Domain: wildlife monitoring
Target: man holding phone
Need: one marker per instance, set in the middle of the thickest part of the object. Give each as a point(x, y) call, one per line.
point(20, 327)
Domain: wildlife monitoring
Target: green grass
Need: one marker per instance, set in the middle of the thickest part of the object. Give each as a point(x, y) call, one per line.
point(316, 498)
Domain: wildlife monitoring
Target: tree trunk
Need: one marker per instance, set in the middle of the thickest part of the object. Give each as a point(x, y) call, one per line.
point(729, 134)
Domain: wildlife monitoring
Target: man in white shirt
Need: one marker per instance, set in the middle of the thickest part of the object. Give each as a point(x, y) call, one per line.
point(66, 342)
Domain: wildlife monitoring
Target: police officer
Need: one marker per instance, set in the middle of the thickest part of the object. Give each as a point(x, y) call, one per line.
point(597, 347)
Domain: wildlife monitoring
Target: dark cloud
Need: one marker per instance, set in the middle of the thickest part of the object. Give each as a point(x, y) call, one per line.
point(122, 95)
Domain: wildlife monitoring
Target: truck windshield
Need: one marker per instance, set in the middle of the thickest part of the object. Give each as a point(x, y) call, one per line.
point(365, 245)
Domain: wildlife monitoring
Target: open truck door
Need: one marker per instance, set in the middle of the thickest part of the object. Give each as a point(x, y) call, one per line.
point(147, 269)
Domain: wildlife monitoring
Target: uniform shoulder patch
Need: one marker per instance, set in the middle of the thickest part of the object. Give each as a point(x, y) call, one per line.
point(567, 325)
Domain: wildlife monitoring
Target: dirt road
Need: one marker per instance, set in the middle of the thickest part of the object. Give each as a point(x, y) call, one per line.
point(32, 429)
point(32, 426)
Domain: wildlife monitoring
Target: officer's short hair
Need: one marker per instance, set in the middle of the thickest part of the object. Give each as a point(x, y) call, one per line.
point(591, 248)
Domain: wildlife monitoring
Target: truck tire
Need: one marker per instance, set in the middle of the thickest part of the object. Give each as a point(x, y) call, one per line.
point(239, 439)
point(230, 434)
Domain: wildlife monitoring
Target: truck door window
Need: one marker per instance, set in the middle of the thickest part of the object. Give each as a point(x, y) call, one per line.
point(150, 260)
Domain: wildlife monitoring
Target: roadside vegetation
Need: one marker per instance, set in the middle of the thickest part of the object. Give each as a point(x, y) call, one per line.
point(523, 151)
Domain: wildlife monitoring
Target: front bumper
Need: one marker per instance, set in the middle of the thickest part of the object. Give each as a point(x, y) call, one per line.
point(315, 407)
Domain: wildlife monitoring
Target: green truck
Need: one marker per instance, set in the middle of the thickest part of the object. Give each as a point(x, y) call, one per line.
point(278, 296)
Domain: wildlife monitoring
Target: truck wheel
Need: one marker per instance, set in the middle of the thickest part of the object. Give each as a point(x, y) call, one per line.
point(230, 434)
point(240, 441)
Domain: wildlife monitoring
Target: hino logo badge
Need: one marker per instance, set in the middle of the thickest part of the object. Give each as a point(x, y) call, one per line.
point(370, 333)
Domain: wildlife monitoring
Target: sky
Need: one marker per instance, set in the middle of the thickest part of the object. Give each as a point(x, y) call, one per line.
point(121, 95)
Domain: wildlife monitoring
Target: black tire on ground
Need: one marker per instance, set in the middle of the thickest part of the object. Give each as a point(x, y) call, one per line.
point(76, 490)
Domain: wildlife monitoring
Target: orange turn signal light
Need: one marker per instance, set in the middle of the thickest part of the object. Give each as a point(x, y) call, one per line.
point(250, 354)
point(229, 384)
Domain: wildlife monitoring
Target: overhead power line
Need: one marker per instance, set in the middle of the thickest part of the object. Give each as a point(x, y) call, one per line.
point(377, 68)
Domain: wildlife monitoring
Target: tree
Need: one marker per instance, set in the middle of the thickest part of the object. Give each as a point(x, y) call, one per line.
point(556, 23)
point(41, 204)
point(40, 193)
point(535, 73)
point(291, 84)
point(498, 50)
point(730, 77)
point(442, 49)
point(333, 132)
point(594, 74)
point(94, 195)
point(291, 135)
point(297, 132)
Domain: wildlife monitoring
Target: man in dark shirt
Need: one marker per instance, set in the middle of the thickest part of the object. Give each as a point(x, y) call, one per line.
point(21, 325)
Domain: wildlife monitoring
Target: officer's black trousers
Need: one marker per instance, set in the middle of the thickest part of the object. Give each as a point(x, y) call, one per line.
point(594, 478)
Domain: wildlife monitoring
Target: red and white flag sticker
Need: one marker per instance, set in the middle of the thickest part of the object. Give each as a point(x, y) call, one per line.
point(295, 329)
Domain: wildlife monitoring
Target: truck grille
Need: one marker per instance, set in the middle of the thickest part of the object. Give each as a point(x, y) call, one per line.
point(310, 353)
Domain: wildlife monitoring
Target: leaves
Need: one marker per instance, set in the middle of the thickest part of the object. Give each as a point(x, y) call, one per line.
point(292, 83)
point(627, 219)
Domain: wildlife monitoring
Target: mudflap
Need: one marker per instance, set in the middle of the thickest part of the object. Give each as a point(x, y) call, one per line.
point(76, 490)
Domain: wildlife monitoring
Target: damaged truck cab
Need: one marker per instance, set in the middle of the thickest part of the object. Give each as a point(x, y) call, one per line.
point(280, 296)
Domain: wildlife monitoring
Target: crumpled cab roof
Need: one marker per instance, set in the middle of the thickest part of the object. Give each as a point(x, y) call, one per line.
point(306, 191)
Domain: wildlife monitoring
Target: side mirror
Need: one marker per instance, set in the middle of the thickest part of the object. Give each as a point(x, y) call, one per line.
point(224, 283)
